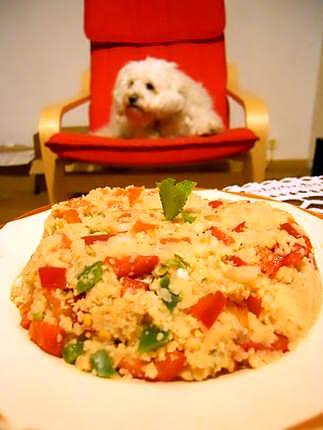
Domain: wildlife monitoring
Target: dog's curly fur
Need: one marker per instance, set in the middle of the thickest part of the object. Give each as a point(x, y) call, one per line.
point(153, 98)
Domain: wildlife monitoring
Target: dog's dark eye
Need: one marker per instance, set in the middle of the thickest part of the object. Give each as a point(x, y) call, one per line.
point(130, 83)
point(150, 86)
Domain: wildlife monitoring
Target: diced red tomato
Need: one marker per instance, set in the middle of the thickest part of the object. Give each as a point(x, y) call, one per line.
point(134, 366)
point(221, 235)
point(254, 305)
point(96, 238)
point(142, 226)
point(208, 308)
point(71, 216)
point(290, 230)
point(215, 203)
point(133, 267)
point(133, 285)
point(165, 240)
point(235, 260)
point(171, 367)
point(240, 227)
point(48, 337)
point(52, 278)
point(133, 194)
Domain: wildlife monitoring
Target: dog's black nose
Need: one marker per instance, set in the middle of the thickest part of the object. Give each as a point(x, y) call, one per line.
point(132, 100)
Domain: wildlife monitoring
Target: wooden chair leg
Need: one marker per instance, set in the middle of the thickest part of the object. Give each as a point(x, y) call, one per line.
point(59, 192)
point(258, 162)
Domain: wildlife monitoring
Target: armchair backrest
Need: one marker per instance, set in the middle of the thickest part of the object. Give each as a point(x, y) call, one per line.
point(190, 33)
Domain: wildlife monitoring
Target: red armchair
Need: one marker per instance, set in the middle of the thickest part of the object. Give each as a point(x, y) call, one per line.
point(191, 33)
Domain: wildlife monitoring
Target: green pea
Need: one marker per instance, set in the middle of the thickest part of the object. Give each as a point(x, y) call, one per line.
point(164, 281)
point(174, 298)
point(72, 350)
point(172, 303)
point(102, 364)
point(89, 277)
point(38, 315)
point(152, 338)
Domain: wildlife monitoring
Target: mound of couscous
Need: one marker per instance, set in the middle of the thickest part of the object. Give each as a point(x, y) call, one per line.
point(121, 287)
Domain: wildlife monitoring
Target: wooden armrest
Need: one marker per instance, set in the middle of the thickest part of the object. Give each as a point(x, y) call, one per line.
point(50, 123)
point(256, 112)
point(51, 116)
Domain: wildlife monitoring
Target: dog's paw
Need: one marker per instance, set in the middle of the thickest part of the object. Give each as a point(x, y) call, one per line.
point(205, 124)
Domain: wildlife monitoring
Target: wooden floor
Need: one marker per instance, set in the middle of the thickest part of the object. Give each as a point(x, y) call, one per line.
point(17, 194)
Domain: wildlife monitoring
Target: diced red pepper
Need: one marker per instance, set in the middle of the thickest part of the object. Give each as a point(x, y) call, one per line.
point(167, 369)
point(134, 366)
point(208, 308)
point(119, 192)
point(280, 344)
point(71, 216)
point(308, 244)
point(236, 261)
point(165, 240)
point(215, 203)
point(52, 278)
point(24, 313)
point(240, 227)
point(96, 238)
point(142, 226)
point(133, 194)
point(254, 305)
point(133, 267)
point(293, 232)
point(170, 368)
point(221, 235)
point(48, 337)
point(66, 241)
point(132, 284)
point(290, 230)
point(257, 346)
point(271, 262)
point(295, 257)
point(240, 311)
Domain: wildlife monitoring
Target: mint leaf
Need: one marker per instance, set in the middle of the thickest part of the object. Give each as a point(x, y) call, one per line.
point(174, 196)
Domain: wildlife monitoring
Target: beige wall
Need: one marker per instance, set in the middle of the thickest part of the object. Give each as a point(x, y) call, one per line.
point(275, 42)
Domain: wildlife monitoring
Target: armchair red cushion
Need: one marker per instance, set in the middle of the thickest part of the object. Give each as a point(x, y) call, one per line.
point(164, 20)
point(151, 152)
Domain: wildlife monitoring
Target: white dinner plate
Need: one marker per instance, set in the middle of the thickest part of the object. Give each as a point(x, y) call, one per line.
point(42, 392)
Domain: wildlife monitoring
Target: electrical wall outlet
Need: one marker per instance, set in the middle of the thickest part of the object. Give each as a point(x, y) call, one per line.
point(272, 144)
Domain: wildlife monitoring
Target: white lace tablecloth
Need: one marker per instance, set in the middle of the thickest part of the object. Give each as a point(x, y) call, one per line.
point(305, 192)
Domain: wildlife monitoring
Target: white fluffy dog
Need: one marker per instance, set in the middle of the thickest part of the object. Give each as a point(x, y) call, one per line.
point(153, 98)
